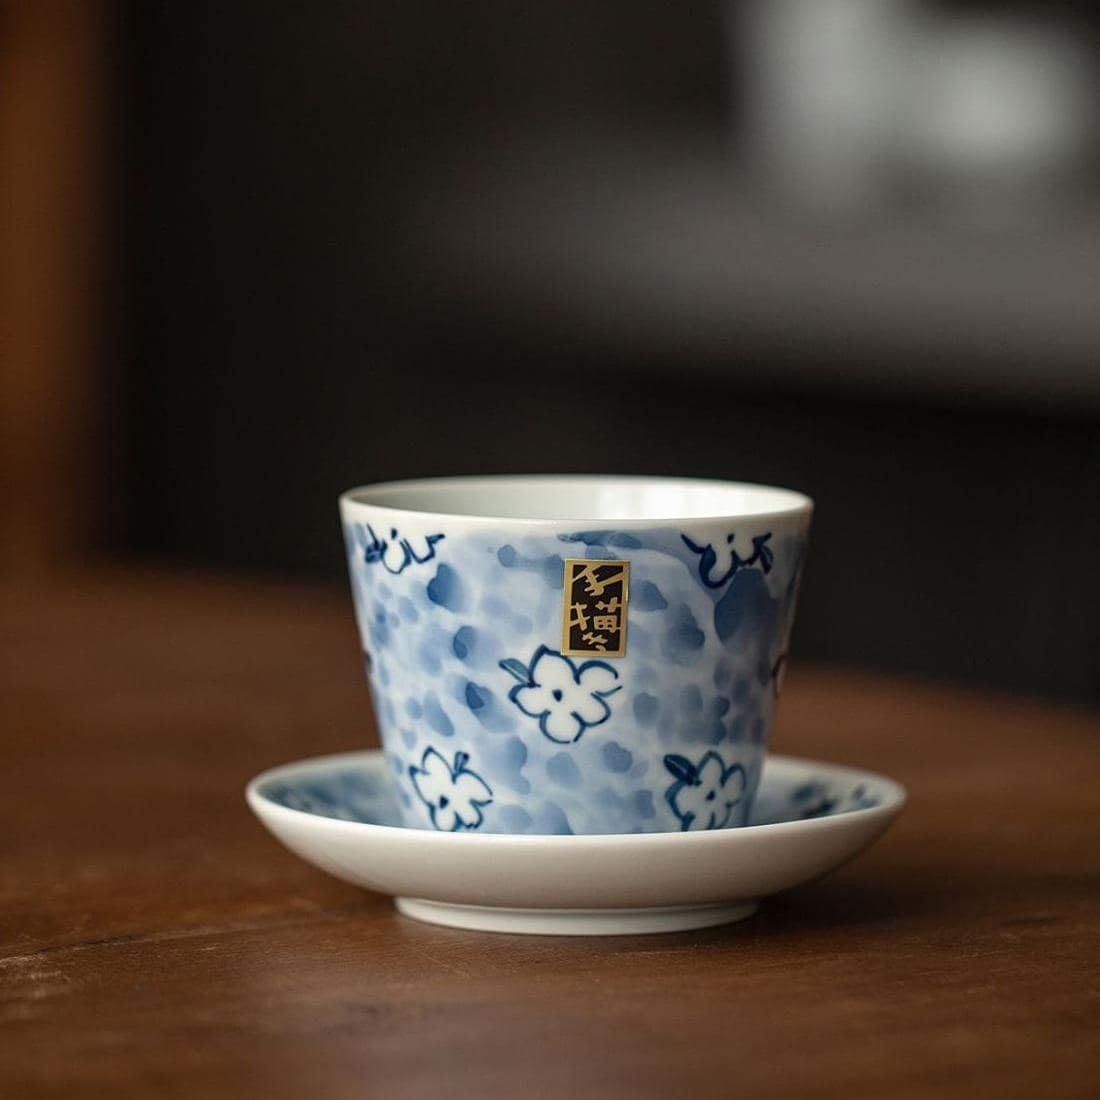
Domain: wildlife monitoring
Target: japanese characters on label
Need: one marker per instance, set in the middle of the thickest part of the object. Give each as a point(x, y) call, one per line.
point(594, 607)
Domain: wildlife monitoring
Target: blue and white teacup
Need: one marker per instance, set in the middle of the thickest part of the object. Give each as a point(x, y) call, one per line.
point(575, 654)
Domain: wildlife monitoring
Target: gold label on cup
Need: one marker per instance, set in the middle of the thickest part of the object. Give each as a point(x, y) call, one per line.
point(593, 616)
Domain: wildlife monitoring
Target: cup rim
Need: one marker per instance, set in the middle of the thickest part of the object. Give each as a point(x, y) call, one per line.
point(385, 497)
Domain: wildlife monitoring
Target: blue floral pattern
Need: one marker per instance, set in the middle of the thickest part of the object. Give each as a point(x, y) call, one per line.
point(464, 654)
point(705, 794)
point(397, 552)
point(454, 794)
point(567, 698)
point(717, 566)
point(364, 791)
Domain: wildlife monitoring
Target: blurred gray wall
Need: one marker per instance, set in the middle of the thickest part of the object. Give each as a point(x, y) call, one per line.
point(374, 240)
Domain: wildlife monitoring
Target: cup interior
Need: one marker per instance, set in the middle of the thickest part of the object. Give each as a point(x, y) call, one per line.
point(580, 498)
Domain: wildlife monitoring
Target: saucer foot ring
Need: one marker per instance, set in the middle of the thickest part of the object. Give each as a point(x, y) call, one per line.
point(573, 922)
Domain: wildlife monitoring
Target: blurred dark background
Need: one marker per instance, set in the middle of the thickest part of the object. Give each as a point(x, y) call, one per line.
point(848, 246)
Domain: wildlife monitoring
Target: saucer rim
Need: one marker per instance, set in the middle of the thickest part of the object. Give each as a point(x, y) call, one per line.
point(894, 800)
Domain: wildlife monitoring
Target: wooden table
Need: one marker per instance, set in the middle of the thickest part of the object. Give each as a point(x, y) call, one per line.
point(155, 942)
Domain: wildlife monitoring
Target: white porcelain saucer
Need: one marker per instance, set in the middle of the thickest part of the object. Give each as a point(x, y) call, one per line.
point(339, 813)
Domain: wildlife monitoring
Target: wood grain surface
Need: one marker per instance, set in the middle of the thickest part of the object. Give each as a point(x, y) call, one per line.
point(154, 941)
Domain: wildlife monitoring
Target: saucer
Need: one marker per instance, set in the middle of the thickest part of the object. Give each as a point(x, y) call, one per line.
point(809, 817)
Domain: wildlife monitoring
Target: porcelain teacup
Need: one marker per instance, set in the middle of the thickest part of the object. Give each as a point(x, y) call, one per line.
point(584, 654)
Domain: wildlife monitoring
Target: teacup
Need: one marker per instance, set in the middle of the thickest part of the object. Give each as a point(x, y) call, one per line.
point(575, 654)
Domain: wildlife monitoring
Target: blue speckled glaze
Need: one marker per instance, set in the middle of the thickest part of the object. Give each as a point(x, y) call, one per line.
point(363, 791)
point(462, 628)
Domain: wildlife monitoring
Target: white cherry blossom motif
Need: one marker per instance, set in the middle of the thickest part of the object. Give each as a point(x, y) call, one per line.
point(718, 563)
point(395, 552)
point(705, 794)
point(453, 793)
point(566, 698)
